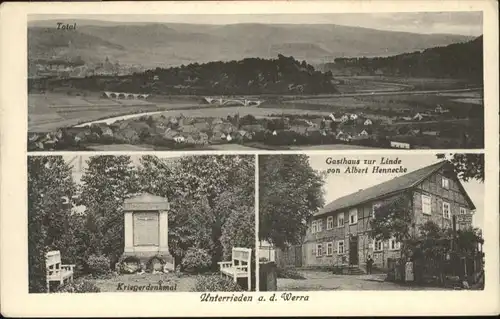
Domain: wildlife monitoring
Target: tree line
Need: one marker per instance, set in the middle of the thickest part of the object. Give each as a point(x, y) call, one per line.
point(283, 75)
point(458, 60)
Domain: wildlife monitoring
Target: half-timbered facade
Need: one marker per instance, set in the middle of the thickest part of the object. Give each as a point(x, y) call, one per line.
point(339, 234)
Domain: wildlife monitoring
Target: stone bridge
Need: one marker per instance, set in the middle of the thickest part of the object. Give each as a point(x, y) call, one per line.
point(226, 101)
point(124, 95)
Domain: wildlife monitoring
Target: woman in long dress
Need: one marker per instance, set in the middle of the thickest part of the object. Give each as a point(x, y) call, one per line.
point(409, 271)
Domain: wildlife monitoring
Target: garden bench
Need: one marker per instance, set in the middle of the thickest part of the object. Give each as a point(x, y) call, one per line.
point(55, 270)
point(239, 266)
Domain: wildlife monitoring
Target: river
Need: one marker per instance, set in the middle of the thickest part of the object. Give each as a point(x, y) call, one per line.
point(118, 118)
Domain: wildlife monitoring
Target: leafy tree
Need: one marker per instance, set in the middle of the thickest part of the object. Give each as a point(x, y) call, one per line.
point(107, 181)
point(290, 192)
point(49, 186)
point(205, 193)
point(394, 219)
point(466, 166)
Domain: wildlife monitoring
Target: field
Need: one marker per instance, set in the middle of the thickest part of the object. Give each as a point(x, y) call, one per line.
point(50, 111)
point(223, 112)
point(387, 83)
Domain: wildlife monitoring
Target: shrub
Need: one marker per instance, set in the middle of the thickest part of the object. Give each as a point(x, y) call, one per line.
point(215, 283)
point(81, 286)
point(196, 260)
point(99, 264)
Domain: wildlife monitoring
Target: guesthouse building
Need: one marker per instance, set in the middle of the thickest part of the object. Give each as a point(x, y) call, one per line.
point(340, 233)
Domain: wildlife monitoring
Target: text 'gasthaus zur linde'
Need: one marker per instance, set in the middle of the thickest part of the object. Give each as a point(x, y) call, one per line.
point(384, 165)
point(242, 297)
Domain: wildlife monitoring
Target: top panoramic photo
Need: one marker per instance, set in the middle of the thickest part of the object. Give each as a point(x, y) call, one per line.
point(255, 82)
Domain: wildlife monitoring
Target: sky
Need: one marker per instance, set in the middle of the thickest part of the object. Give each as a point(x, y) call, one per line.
point(338, 185)
point(463, 23)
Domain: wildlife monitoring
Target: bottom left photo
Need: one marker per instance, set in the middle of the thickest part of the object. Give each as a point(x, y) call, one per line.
point(141, 223)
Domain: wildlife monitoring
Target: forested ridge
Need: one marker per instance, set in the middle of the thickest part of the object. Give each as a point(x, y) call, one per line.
point(248, 76)
point(458, 60)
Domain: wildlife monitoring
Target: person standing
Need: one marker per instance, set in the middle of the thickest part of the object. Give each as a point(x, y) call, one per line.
point(369, 264)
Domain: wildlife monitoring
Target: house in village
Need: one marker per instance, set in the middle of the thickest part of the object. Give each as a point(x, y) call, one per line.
point(202, 138)
point(418, 117)
point(364, 133)
point(344, 118)
point(217, 121)
point(254, 128)
point(439, 109)
point(170, 134)
point(430, 133)
point(218, 136)
point(244, 134)
point(343, 136)
point(400, 144)
point(353, 117)
point(339, 234)
point(367, 122)
point(179, 139)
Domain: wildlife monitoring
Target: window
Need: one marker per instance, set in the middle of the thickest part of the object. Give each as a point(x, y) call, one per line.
point(463, 211)
point(320, 225)
point(329, 222)
point(329, 249)
point(353, 216)
point(445, 183)
point(426, 205)
point(314, 228)
point(377, 245)
point(319, 250)
point(446, 210)
point(374, 208)
point(340, 247)
point(340, 220)
point(393, 244)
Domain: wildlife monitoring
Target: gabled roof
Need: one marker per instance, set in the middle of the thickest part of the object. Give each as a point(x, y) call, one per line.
point(391, 187)
point(145, 202)
point(145, 198)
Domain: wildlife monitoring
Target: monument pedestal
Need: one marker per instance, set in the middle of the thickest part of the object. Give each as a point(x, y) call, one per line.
point(146, 232)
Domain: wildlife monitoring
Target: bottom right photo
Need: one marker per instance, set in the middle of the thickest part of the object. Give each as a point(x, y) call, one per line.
point(371, 222)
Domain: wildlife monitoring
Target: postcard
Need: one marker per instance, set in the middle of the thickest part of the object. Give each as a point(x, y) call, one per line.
point(284, 158)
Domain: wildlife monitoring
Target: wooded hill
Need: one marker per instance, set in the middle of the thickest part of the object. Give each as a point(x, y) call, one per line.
point(283, 75)
point(459, 60)
point(172, 44)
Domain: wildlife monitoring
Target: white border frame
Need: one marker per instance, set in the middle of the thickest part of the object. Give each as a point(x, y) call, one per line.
point(15, 299)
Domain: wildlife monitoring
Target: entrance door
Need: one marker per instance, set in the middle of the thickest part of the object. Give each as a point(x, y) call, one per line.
point(146, 229)
point(353, 250)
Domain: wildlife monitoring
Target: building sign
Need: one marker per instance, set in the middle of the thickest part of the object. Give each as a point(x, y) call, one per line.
point(464, 219)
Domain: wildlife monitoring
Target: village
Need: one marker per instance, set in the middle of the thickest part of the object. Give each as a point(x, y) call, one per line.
point(275, 130)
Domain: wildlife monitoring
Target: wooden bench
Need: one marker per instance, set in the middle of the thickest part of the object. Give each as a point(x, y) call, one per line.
point(239, 266)
point(55, 270)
